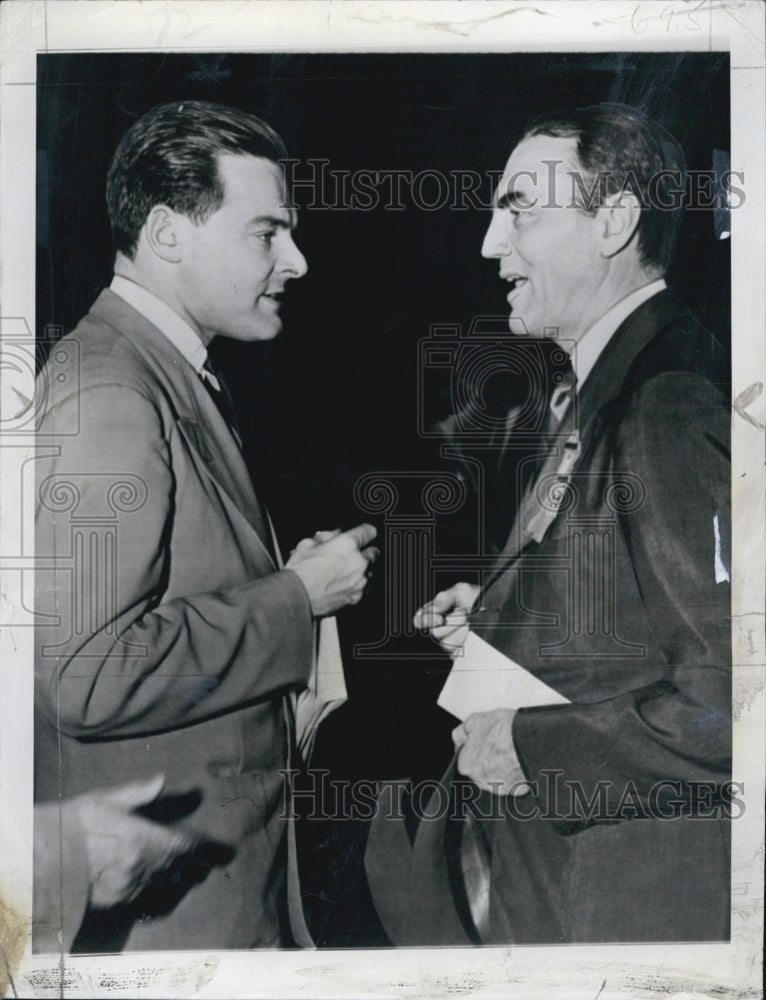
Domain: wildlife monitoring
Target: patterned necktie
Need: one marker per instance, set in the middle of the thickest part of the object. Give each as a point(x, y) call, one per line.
point(561, 399)
point(559, 404)
point(561, 437)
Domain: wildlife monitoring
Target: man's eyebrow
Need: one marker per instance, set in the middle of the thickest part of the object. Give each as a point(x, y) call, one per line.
point(512, 199)
point(272, 220)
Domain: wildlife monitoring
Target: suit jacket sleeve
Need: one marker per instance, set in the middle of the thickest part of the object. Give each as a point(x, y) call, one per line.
point(674, 435)
point(138, 661)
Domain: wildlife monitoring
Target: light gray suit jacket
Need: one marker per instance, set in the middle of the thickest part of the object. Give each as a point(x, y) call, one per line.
point(168, 638)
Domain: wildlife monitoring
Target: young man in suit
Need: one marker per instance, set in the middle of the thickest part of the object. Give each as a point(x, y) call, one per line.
point(173, 640)
point(611, 815)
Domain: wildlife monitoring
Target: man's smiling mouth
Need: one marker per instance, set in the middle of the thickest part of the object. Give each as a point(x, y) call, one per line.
point(516, 281)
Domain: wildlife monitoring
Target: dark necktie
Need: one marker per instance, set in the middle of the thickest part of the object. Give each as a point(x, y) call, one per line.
point(220, 393)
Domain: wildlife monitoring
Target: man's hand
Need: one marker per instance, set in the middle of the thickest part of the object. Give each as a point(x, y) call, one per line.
point(334, 567)
point(445, 617)
point(125, 850)
point(486, 754)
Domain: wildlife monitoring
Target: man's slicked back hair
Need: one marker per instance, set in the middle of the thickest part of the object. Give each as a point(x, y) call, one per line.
point(619, 148)
point(168, 157)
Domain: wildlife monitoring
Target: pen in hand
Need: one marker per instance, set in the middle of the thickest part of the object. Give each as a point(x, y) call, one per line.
point(461, 618)
point(426, 618)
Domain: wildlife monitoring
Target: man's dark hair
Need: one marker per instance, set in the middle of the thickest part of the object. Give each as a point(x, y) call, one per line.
point(621, 149)
point(168, 157)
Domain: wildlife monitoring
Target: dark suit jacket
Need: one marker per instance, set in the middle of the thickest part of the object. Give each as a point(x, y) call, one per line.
point(621, 609)
point(168, 638)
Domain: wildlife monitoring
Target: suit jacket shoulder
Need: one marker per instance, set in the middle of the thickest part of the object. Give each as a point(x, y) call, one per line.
point(114, 345)
point(661, 337)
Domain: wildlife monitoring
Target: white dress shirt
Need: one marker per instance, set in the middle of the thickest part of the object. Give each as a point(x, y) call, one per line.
point(167, 321)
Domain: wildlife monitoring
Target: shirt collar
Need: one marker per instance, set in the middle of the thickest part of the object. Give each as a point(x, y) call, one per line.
point(586, 352)
point(167, 321)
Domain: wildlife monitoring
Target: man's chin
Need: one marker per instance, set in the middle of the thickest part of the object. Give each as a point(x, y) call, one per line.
point(269, 332)
point(262, 330)
point(519, 327)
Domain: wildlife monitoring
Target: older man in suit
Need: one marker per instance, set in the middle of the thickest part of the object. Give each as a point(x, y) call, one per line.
point(173, 639)
point(600, 806)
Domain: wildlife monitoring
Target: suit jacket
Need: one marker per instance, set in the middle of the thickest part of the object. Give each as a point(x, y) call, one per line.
point(168, 638)
point(622, 605)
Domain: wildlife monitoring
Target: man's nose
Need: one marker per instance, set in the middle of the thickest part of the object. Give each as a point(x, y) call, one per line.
point(292, 263)
point(497, 239)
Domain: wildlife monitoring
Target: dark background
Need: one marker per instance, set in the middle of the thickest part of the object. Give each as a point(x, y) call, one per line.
point(336, 396)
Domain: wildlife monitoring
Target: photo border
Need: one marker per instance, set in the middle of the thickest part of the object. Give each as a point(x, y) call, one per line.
point(616, 970)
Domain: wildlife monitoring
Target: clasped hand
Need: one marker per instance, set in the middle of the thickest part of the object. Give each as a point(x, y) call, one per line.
point(334, 567)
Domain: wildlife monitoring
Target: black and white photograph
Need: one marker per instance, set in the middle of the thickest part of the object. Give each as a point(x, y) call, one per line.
point(382, 434)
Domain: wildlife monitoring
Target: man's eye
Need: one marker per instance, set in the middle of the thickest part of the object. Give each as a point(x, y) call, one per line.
point(520, 214)
point(266, 236)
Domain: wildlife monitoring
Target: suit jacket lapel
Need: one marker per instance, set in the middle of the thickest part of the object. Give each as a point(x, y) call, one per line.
point(199, 421)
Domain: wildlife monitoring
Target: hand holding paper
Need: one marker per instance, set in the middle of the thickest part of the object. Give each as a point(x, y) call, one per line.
point(483, 679)
point(485, 689)
point(486, 753)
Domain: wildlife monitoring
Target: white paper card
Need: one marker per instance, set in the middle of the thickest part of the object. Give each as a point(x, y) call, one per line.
point(483, 679)
point(326, 688)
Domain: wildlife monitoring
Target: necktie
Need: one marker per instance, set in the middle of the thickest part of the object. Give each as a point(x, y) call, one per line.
point(561, 433)
point(219, 392)
point(561, 399)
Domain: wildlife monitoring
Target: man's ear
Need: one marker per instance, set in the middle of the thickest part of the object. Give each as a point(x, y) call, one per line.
point(162, 234)
point(619, 218)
